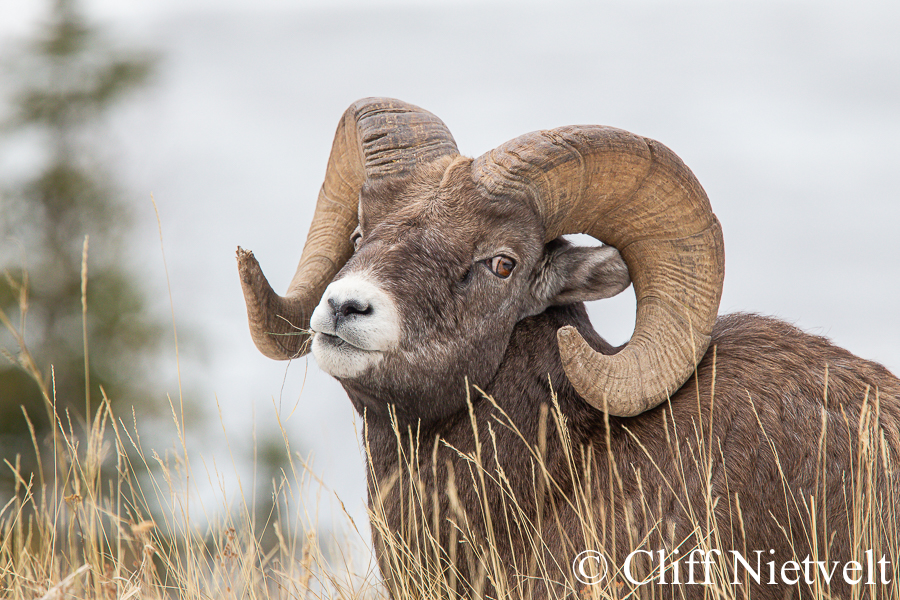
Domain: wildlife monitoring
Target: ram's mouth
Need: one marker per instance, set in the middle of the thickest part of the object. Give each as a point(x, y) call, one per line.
point(341, 358)
point(336, 341)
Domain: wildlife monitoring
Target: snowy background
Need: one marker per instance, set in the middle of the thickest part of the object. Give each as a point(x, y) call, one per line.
point(788, 112)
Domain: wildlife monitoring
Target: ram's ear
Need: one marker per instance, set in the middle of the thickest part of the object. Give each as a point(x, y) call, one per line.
point(570, 274)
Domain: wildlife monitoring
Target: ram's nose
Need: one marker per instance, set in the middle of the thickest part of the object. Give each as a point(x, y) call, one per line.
point(357, 309)
point(350, 307)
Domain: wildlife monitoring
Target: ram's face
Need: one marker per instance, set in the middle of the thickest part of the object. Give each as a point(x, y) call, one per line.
point(452, 252)
point(431, 294)
point(438, 281)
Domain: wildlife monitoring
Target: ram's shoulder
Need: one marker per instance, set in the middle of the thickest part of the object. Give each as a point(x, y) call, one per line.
point(764, 338)
point(767, 353)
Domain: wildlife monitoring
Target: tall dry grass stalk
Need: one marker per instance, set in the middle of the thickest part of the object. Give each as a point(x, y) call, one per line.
point(421, 557)
point(102, 516)
point(74, 529)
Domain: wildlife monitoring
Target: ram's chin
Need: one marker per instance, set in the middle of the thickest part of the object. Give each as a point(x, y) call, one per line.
point(341, 359)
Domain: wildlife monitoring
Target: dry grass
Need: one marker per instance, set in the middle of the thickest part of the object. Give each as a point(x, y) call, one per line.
point(86, 533)
point(135, 531)
point(422, 564)
point(103, 517)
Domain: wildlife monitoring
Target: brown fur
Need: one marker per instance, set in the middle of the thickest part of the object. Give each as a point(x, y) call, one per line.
point(769, 398)
point(740, 449)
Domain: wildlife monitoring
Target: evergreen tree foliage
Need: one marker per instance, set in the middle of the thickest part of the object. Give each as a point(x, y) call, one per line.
point(61, 86)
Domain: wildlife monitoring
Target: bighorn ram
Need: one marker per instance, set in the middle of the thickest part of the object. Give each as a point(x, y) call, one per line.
point(438, 290)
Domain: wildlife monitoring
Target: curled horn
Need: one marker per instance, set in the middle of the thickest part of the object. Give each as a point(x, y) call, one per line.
point(636, 195)
point(377, 138)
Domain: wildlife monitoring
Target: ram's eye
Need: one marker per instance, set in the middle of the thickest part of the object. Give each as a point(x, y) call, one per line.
point(501, 266)
point(356, 238)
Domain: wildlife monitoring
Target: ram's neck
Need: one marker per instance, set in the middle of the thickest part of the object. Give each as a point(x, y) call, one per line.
point(517, 438)
point(530, 376)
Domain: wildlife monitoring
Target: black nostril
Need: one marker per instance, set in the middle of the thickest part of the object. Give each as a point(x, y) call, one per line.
point(355, 308)
point(349, 307)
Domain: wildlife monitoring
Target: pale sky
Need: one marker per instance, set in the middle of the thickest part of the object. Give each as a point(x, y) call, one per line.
point(17, 15)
